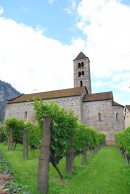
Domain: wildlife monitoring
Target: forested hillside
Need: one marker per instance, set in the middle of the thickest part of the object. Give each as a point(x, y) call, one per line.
point(6, 92)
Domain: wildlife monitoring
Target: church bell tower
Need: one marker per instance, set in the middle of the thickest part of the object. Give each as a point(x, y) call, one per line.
point(82, 75)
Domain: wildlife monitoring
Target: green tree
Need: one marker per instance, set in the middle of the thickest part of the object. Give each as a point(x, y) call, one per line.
point(17, 126)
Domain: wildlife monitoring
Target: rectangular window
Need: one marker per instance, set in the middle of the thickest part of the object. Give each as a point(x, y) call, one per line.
point(25, 114)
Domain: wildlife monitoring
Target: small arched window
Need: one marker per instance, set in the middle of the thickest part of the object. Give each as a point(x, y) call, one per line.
point(25, 114)
point(82, 64)
point(79, 73)
point(99, 117)
point(81, 83)
point(82, 72)
point(79, 65)
point(117, 117)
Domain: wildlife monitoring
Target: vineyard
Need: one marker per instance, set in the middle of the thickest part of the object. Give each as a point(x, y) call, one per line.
point(57, 140)
point(122, 139)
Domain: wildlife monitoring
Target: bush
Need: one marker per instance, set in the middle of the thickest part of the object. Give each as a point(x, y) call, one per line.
point(122, 140)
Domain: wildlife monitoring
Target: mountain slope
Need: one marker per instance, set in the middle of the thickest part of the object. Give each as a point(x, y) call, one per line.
point(6, 92)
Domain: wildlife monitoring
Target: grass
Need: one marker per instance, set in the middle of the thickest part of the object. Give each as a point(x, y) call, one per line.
point(106, 173)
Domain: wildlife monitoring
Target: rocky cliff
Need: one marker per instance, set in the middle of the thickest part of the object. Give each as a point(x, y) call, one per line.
point(6, 92)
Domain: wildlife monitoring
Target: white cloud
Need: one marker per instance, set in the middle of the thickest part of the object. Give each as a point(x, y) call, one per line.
point(74, 4)
point(1, 10)
point(121, 82)
point(30, 60)
point(99, 84)
point(121, 76)
point(71, 8)
point(106, 26)
point(107, 29)
point(68, 11)
point(51, 1)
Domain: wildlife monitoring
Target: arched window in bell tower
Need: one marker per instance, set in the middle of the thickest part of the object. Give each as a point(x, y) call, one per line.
point(81, 83)
point(82, 64)
point(82, 73)
point(79, 73)
point(79, 65)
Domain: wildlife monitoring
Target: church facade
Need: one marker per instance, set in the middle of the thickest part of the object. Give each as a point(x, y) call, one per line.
point(98, 110)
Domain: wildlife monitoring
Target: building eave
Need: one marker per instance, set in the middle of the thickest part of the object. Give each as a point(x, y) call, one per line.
point(98, 97)
point(71, 92)
point(116, 104)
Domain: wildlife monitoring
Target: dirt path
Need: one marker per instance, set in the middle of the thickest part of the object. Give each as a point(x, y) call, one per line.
point(4, 178)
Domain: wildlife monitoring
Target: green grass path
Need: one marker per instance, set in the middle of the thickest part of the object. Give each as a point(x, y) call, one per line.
point(106, 173)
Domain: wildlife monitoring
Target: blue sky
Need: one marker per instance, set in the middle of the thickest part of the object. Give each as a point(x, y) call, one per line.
point(49, 15)
point(39, 40)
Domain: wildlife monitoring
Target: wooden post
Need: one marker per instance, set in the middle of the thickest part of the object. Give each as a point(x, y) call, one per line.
point(84, 159)
point(70, 157)
point(91, 152)
point(43, 170)
point(25, 144)
point(10, 140)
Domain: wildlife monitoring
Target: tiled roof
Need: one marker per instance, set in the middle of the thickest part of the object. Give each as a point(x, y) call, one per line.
point(128, 107)
point(98, 97)
point(48, 95)
point(80, 56)
point(116, 104)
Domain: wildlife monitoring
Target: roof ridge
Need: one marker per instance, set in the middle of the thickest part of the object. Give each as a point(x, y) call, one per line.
point(56, 90)
point(50, 94)
point(101, 92)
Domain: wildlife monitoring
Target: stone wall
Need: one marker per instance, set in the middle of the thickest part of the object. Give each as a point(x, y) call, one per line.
point(99, 115)
point(127, 119)
point(104, 117)
point(118, 118)
point(26, 110)
point(23, 111)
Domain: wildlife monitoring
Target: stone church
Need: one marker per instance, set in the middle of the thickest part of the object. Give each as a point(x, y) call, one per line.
point(98, 110)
